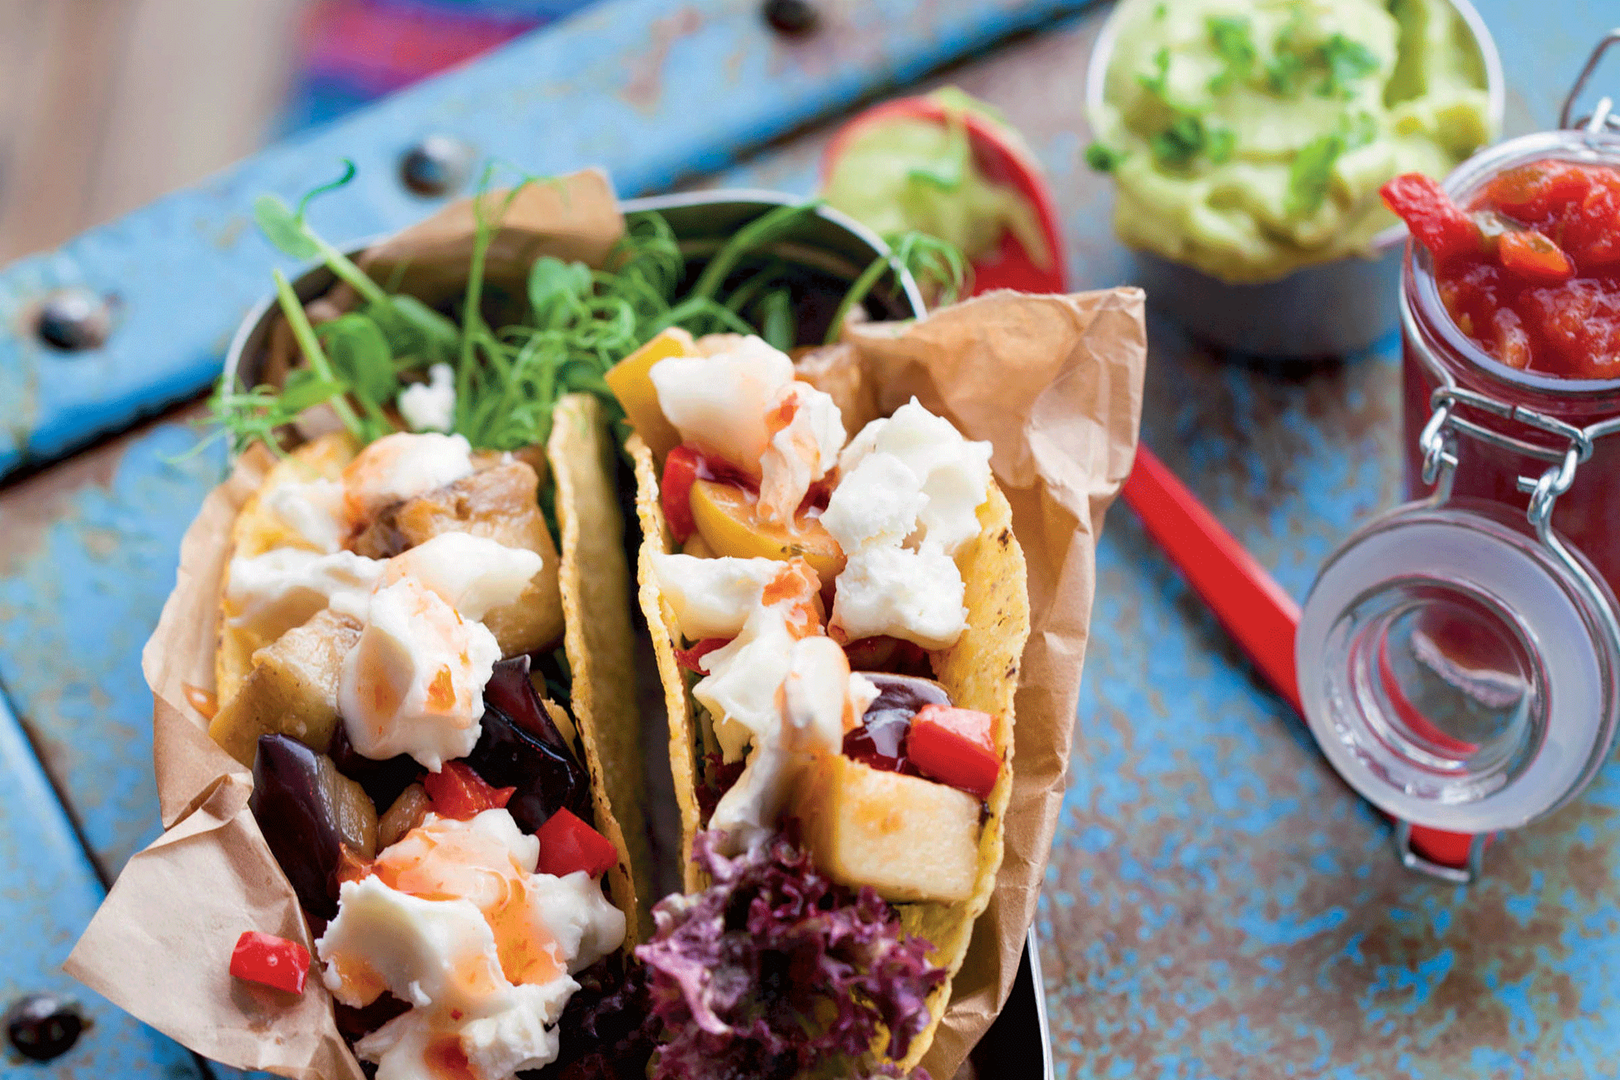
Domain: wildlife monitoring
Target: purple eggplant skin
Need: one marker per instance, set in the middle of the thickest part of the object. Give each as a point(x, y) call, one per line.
point(383, 780)
point(880, 738)
point(520, 747)
point(299, 822)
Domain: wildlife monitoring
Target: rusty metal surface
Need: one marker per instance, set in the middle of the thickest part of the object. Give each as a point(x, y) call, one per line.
point(1218, 905)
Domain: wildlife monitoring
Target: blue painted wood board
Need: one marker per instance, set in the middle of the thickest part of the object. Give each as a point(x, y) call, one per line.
point(649, 91)
point(48, 891)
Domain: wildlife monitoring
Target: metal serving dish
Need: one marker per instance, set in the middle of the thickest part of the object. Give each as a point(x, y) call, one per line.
point(826, 253)
point(1327, 309)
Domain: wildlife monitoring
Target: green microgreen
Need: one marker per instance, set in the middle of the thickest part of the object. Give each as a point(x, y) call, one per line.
point(933, 262)
point(576, 322)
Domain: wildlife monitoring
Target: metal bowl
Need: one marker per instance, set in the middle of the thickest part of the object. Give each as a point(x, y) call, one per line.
point(1327, 309)
point(828, 246)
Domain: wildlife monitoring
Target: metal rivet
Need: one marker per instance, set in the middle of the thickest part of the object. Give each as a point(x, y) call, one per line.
point(438, 165)
point(792, 17)
point(74, 318)
point(43, 1026)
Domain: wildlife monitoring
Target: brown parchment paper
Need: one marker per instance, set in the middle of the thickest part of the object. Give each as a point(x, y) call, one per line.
point(1053, 382)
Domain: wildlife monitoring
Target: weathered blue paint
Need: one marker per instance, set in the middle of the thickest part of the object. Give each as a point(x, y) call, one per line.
point(77, 602)
point(1219, 905)
point(48, 891)
point(649, 90)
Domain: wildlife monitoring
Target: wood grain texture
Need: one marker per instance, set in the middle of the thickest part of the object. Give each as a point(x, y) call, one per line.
point(107, 104)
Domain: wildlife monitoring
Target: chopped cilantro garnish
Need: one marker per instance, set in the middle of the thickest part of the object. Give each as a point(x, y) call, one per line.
point(1290, 55)
point(1158, 83)
point(1359, 130)
point(1219, 145)
point(1346, 61)
point(1160, 9)
point(1310, 173)
point(1103, 158)
point(1177, 145)
point(1234, 44)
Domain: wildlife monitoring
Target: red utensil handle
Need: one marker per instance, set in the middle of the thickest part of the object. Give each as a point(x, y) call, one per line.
point(1253, 608)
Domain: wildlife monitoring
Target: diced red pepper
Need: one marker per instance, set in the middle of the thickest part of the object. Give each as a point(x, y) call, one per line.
point(458, 792)
point(1436, 222)
point(956, 747)
point(680, 473)
point(270, 961)
point(568, 844)
point(692, 659)
point(1531, 255)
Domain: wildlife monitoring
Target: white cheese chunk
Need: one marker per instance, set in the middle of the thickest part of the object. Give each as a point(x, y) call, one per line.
point(876, 502)
point(820, 701)
point(808, 433)
point(430, 406)
point(414, 682)
point(454, 920)
point(270, 594)
point(473, 574)
point(744, 678)
point(312, 509)
point(953, 472)
point(713, 597)
point(402, 466)
point(915, 595)
point(720, 402)
point(584, 925)
point(426, 952)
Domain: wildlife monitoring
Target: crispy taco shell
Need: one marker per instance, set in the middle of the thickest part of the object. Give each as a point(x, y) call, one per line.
point(581, 596)
point(980, 671)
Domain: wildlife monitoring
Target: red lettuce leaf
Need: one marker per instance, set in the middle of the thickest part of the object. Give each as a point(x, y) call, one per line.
point(775, 971)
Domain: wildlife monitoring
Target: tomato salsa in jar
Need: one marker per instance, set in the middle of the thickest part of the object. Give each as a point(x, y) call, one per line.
point(1511, 290)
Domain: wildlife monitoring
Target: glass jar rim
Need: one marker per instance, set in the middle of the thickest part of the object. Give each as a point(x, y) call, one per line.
point(1570, 144)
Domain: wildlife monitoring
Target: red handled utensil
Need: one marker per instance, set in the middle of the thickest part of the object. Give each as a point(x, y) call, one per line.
point(1253, 608)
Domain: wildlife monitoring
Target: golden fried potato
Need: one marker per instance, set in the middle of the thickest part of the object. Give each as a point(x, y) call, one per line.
point(292, 688)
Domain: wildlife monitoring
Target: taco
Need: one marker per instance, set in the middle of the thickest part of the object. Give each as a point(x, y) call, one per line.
point(838, 624)
point(385, 666)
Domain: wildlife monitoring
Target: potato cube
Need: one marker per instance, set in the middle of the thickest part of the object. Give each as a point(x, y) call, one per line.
point(908, 838)
point(292, 688)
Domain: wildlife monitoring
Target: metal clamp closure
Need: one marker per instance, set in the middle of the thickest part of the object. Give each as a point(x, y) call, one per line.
point(1602, 116)
point(1439, 445)
point(1466, 874)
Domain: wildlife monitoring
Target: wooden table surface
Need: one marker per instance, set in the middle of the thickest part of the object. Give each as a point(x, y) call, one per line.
point(1218, 903)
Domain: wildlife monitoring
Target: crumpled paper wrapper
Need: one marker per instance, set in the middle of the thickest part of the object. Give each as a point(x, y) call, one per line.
point(1054, 382)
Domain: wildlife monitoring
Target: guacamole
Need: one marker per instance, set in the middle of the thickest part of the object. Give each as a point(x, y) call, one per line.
point(913, 172)
point(1248, 138)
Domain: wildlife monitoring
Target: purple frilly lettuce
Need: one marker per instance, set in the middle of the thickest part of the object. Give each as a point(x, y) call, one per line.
point(775, 971)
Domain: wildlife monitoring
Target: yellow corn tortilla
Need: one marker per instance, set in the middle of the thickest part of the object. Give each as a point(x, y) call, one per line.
point(600, 642)
point(980, 672)
point(256, 530)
